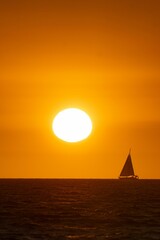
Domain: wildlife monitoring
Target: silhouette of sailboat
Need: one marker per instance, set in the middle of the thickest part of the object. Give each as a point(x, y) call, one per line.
point(127, 170)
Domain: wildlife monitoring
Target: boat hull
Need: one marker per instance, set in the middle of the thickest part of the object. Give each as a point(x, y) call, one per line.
point(134, 177)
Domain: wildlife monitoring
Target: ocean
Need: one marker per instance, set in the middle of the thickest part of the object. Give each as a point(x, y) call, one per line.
point(69, 209)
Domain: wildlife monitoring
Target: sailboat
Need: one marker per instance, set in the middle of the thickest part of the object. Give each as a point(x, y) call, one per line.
point(127, 170)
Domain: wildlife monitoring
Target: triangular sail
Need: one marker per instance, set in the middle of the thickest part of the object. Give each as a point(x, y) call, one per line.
point(128, 167)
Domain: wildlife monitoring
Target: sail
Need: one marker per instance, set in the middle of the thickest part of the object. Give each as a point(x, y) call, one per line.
point(128, 167)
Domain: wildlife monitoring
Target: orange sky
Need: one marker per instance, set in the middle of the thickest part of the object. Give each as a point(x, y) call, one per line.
point(98, 55)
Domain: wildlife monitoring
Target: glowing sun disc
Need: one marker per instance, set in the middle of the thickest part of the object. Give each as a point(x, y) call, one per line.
point(72, 125)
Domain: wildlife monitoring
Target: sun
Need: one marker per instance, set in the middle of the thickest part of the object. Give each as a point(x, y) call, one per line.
point(72, 125)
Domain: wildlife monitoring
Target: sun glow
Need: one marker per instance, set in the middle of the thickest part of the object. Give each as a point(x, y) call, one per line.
point(72, 125)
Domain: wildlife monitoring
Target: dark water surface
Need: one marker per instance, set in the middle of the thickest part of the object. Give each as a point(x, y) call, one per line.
point(79, 209)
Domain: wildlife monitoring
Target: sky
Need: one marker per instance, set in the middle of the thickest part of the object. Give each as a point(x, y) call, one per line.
point(101, 56)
